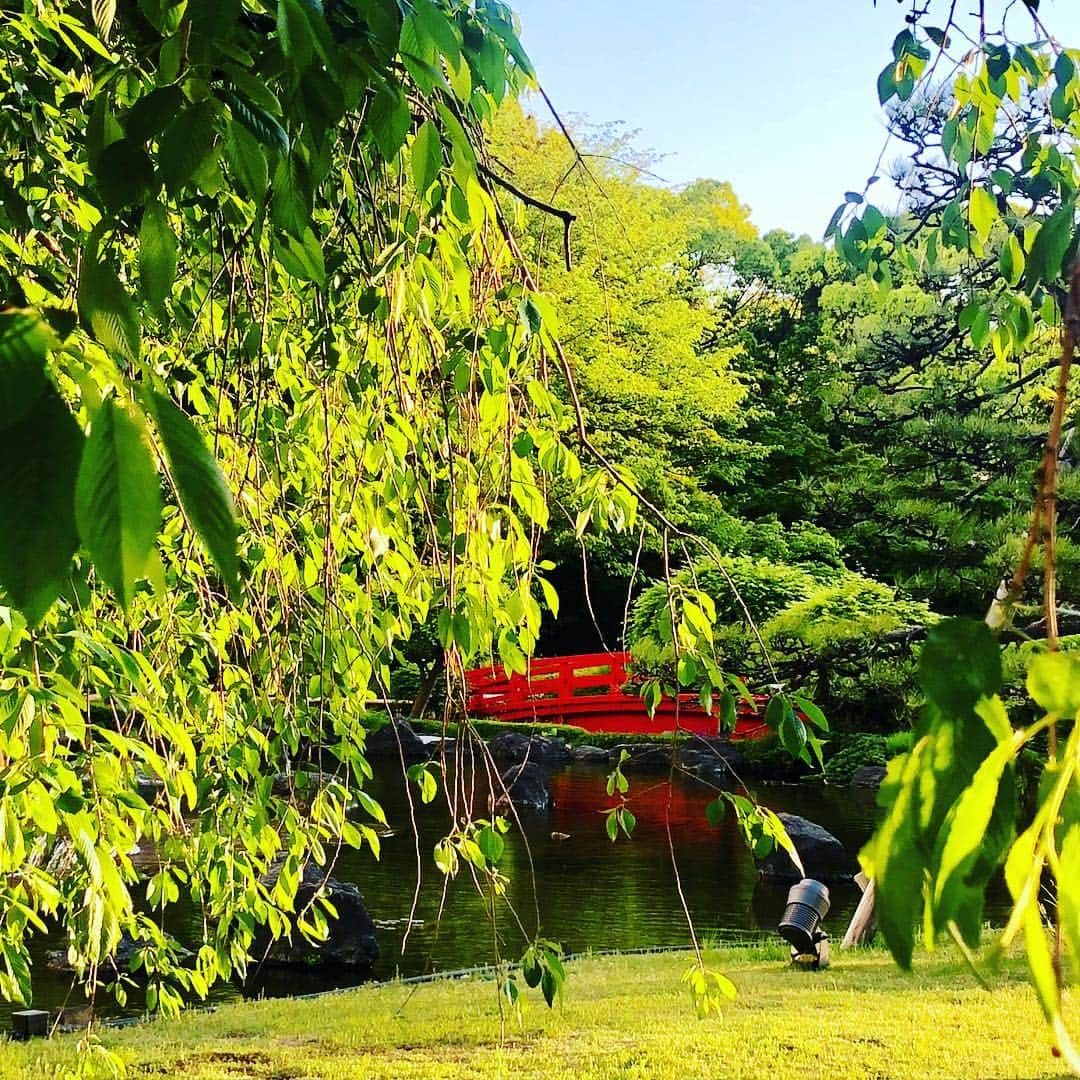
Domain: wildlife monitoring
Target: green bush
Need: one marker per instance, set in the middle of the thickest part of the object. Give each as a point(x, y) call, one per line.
point(850, 753)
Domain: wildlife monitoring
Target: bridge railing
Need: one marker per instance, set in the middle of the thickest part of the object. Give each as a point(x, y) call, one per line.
point(593, 691)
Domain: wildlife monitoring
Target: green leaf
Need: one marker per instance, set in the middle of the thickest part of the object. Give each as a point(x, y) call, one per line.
point(892, 857)
point(186, 144)
point(1012, 261)
point(304, 33)
point(728, 715)
point(24, 342)
point(776, 710)
point(1068, 880)
point(41, 808)
point(124, 175)
point(261, 123)
point(302, 258)
point(426, 156)
point(490, 843)
point(983, 211)
point(117, 498)
point(1054, 682)
point(964, 832)
point(107, 311)
point(389, 118)
point(686, 671)
point(204, 492)
point(716, 811)
point(290, 206)
point(960, 663)
point(611, 826)
point(157, 255)
point(812, 712)
point(792, 734)
point(148, 117)
point(427, 783)
point(886, 83)
point(37, 503)
point(246, 161)
point(1048, 249)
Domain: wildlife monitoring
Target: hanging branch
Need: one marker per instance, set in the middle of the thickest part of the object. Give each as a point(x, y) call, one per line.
point(1044, 512)
point(565, 216)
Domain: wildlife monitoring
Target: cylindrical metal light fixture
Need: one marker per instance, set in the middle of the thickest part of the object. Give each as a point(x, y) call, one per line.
point(807, 905)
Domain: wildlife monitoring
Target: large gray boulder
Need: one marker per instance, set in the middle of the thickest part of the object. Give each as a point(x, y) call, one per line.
point(650, 755)
point(513, 747)
point(824, 857)
point(526, 787)
point(352, 941)
point(594, 755)
point(869, 776)
point(384, 742)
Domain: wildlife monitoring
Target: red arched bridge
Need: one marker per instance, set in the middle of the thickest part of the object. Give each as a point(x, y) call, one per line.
point(595, 692)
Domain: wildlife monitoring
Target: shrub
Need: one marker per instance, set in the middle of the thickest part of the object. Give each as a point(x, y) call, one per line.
point(851, 753)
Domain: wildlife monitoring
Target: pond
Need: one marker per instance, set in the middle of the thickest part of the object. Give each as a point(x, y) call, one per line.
point(589, 892)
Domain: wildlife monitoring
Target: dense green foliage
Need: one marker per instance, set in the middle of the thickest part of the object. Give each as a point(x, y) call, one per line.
point(261, 290)
point(323, 365)
point(992, 188)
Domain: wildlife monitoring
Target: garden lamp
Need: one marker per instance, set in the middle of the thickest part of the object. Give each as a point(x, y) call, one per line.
point(807, 905)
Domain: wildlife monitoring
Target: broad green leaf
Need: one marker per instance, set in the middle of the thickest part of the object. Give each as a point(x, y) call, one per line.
point(302, 258)
point(290, 207)
point(960, 663)
point(1012, 261)
point(117, 498)
point(262, 124)
point(728, 715)
point(886, 83)
point(24, 342)
point(186, 144)
point(892, 857)
point(1054, 682)
point(1068, 880)
point(203, 490)
point(37, 503)
point(792, 733)
point(246, 161)
point(716, 811)
point(490, 843)
point(125, 175)
point(149, 116)
point(41, 807)
point(984, 212)
point(426, 156)
point(1048, 249)
point(964, 832)
point(107, 311)
point(812, 712)
point(304, 33)
point(389, 121)
point(157, 255)
point(776, 710)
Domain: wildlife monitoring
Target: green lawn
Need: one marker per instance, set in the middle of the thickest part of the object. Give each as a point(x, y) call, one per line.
point(623, 1016)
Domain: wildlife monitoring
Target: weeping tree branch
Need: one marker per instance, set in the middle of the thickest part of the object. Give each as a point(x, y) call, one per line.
point(565, 216)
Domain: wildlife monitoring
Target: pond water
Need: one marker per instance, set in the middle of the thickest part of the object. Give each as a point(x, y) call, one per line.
point(590, 893)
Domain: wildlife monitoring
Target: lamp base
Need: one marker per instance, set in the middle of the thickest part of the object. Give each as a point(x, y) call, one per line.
point(816, 960)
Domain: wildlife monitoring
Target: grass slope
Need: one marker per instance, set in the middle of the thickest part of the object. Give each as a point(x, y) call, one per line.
point(624, 1016)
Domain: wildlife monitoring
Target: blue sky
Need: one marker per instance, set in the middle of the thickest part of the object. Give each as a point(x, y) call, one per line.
point(777, 96)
